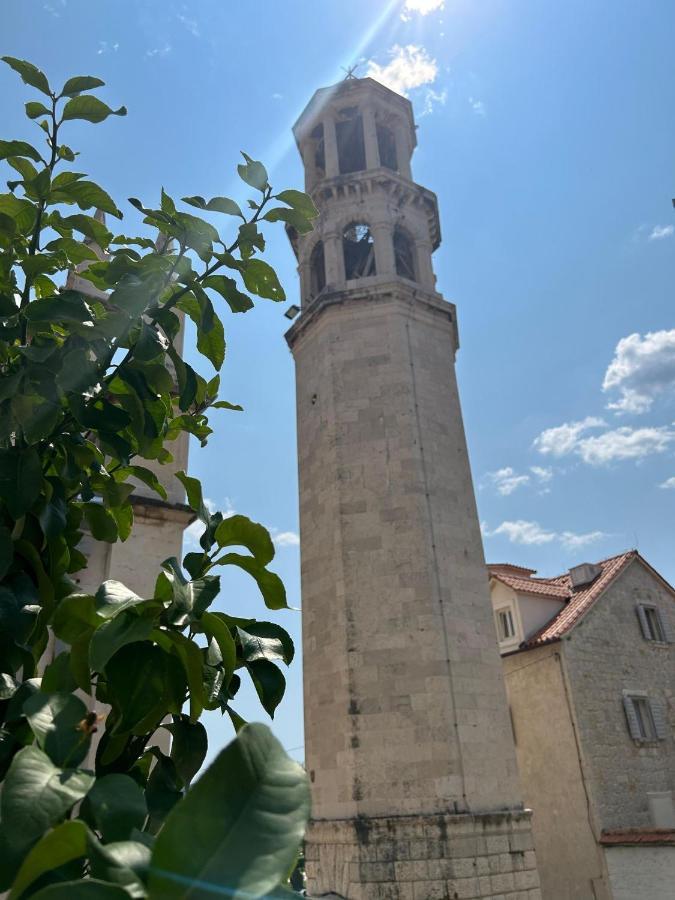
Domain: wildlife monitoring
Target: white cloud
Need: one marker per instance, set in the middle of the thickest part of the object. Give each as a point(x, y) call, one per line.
point(642, 368)
point(277, 96)
point(106, 47)
point(531, 533)
point(624, 443)
point(422, 7)
point(543, 473)
point(477, 106)
point(56, 8)
point(194, 531)
point(188, 23)
point(506, 480)
point(572, 541)
point(522, 532)
point(659, 232)
point(564, 439)
point(410, 67)
point(433, 98)
point(668, 483)
point(286, 539)
point(164, 50)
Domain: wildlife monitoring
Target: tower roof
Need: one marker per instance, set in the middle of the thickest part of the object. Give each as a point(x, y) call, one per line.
point(351, 90)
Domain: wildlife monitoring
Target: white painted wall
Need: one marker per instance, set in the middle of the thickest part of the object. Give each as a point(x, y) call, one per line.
point(641, 873)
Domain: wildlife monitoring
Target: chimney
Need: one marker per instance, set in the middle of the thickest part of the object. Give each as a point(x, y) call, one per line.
point(583, 575)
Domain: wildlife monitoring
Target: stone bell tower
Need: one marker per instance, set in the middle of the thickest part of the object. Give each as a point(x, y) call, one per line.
point(409, 744)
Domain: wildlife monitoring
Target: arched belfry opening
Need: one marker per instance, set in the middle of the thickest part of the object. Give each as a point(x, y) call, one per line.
point(351, 146)
point(317, 270)
point(386, 145)
point(359, 251)
point(318, 151)
point(404, 254)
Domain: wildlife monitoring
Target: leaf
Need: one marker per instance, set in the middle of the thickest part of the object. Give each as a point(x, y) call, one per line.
point(164, 790)
point(190, 656)
point(216, 628)
point(113, 597)
point(193, 490)
point(240, 531)
point(58, 676)
point(35, 109)
point(261, 278)
point(64, 843)
point(29, 73)
point(20, 479)
point(270, 585)
point(265, 640)
point(227, 288)
point(117, 805)
point(269, 683)
point(101, 522)
point(75, 618)
point(189, 744)
point(90, 889)
point(8, 686)
point(146, 476)
point(224, 404)
point(80, 83)
point(6, 550)
point(91, 109)
point(216, 204)
point(124, 863)
point(67, 306)
point(87, 195)
point(56, 720)
point(299, 201)
point(18, 148)
point(238, 827)
point(36, 794)
point(253, 173)
point(291, 216)
point(125, 628)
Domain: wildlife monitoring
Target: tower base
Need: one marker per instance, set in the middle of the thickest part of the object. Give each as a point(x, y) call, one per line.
point(423, 857)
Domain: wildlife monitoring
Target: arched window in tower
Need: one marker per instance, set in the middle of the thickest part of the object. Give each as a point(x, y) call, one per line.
point(350, 143)
point(404, 254)
point(317, 270)
point(319, 151)
point(359, 251)
point(386, 144)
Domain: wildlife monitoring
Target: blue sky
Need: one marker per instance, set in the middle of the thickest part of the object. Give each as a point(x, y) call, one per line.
point(547, 132)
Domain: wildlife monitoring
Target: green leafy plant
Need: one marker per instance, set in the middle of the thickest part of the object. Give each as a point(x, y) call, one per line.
point(93, 384)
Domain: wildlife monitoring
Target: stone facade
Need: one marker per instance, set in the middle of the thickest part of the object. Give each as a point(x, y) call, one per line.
point(408, 741)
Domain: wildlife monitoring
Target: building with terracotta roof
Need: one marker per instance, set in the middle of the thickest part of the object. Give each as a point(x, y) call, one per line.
point(589, 665)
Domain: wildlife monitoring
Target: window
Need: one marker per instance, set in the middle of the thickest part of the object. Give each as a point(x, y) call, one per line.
point(654, 627)
point(386, 146)
point(319, 151)
point(317, 270)
point(404, 254)
point(359, 252)
point(350, 144)
point(646, 718)
point(505, 627)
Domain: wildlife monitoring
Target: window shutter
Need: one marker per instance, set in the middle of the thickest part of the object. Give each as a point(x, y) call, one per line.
point(659, 717)
point(644, 624)
point(666, 629)
point(632, 719)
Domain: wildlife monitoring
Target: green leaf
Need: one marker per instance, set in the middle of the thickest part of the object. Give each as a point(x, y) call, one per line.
point(189, 744)
point(253, 173)
point(36, 794)
point(299, 201)
point(20, 479)
point(101, 522)
point(190, 656)
point(265, 640)
point(193, 490)
point(291, 216)
point(117, 805)
point(35, 109)
point(29, 73)
point(58, 676)
point(91, 889)
point(56, 721)
point(124, 863)
point(64, 843)
point(238, 827)
point(269, 683)
point(270, 585)
point(6, 550)
point(224, 404)
point(75, 618)
point(87, 195)
point(216, 628)
point(91, 109)
point(126, 628)
point(113, 597)
point(80, 83)
point(67, 306)
point(227, 288)
point(260, 278)
point(240, 531)
point(146, 476)
point(216, 204)
point(164, 789)
point(8, 686)
point(18, 148)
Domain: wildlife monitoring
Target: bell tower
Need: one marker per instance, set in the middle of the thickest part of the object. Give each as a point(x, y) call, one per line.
point(408, 740)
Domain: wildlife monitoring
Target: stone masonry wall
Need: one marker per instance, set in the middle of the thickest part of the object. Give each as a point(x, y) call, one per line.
point(441, 857)
point(605, 655)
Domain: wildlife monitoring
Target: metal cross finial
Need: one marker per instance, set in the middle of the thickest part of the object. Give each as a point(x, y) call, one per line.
point(350, 71)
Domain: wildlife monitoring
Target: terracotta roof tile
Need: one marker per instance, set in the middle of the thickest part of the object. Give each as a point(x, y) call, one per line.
point(638, 836)
point(577, 602)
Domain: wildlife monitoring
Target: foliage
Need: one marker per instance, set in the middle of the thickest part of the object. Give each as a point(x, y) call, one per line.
point(93, 384)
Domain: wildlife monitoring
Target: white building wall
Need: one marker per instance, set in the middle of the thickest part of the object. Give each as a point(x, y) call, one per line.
point(641, 873)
